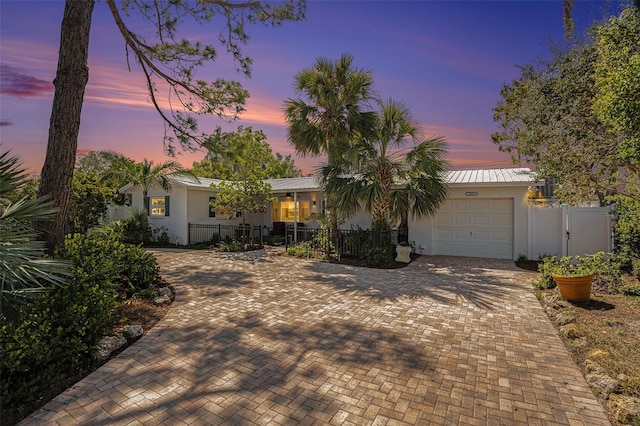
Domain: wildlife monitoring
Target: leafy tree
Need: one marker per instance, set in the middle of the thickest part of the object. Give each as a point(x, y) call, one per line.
point(24, 273)
point(148, 175)
point(391, 182)
point(627, 229)
point(88, 203)
point(224, 154)
point(282, 166)
point(165, 60)
point(246, 192)
point(100, 164)
point(617, 80)
point(546, 118)
point(330, 114)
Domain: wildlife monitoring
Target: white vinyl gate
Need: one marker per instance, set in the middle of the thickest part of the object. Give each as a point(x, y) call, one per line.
point(569, 231)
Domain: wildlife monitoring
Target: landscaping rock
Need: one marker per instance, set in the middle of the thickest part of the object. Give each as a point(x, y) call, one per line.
point(571, 331)
point(591, 366)
point(550, 299)
point(564, 319)
point(553, 301)
point(626, 409)
point(166, 291)
point(106, 346)
point(597, 353)
point(132, 333)
point(605, 384)
point(162, 300)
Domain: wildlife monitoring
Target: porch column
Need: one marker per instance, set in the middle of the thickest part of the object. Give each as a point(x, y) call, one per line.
point(295, 216)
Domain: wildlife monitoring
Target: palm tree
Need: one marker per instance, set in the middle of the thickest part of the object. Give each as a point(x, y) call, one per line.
point(390, 182)
point(148, 175)
point(24, 271)
point(332, 115)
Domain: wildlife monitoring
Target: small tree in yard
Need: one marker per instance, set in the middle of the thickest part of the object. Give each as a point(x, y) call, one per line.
point(248, 193)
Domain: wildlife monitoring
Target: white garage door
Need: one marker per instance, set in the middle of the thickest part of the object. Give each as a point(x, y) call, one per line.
point(475, 228)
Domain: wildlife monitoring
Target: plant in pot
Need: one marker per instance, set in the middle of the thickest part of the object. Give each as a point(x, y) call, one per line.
point(572, 276)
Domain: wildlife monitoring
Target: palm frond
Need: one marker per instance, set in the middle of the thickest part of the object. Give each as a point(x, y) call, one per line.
point(24, 272)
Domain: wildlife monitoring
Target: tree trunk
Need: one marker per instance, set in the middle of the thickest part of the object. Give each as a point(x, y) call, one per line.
point(71, 78)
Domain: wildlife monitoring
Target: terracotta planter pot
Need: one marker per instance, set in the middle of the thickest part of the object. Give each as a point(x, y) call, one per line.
point(574, 288)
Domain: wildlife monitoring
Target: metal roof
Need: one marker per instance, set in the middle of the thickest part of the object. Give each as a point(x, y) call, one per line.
point(507, 176)
point(511, 176)
point(285, 184)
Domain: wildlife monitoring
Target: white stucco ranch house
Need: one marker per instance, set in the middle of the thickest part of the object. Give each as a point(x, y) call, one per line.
point(486, 214)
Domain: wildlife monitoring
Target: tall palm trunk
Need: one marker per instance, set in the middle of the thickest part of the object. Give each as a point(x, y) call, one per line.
point(145, 201)
point(71, 78)
point(381, 209)
point(332, 207)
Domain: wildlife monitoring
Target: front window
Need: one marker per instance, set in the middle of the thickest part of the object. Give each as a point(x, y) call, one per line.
point(290, 211)
point(158, 206)
point(221, 212)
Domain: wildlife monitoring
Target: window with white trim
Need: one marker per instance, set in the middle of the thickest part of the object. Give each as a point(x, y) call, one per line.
point(159, 206)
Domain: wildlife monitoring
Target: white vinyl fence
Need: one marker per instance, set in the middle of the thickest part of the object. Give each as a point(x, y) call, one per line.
point(569, 231)
point(118, 213)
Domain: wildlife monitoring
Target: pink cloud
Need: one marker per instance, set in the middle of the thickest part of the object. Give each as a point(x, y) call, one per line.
point(17, 83)
point(5, 123)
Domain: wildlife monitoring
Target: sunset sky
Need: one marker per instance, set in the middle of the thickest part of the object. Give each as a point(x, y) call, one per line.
point(446, 60)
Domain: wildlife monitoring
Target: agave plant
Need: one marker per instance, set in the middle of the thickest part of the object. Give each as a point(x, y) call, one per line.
point(24, 271)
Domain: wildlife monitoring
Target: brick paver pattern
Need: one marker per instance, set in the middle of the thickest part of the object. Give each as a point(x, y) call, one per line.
point(258, 338)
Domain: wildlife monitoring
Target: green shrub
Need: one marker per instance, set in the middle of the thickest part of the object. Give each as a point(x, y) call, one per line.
point(630, 289)
point(274, 240)
point(136, 230)
point(51, 341)
point(546, 268)
point(627, 229)
point(161, 236)
point(230, 246)
point(127, 268)
point(378, 256)
point(304, 249)
point(635, 268)
point(606, 268)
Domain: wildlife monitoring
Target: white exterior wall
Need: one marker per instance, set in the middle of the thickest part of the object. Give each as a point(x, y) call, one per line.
point(175, 222)
point(421, 230)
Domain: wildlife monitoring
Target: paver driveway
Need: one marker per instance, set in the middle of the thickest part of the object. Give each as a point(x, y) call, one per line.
point(257, 338)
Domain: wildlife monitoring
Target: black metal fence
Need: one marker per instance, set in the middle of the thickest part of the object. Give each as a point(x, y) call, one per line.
point(214, 234)
point(351, 243)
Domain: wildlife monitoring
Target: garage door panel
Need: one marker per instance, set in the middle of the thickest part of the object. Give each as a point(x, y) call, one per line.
point(481, 206)
point(459, 205)
point(481, 236)
point(475, 228)
point(502, 206)
point(501, 236)
point(462, 220)
point(444, 220)
point(444, 234)
point(502, 221)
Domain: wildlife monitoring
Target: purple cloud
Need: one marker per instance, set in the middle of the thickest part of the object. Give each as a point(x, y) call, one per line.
point(5, 123)
point(14, 82)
